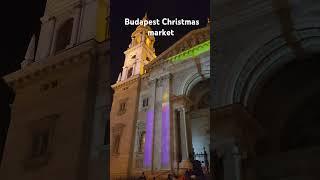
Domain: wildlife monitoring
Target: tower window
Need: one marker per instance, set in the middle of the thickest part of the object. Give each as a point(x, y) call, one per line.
point(122, 107)
point(64, 35)
point(116, 138)
point(145, 102)
point(116, 144)
point(130, 72)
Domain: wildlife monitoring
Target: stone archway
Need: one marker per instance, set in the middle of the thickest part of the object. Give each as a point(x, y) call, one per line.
point(259, 91)
point(285, 107)
point(199, 121)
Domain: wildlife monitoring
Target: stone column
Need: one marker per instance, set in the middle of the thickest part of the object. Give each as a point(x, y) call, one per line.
point(234, 126)
point(231, 161)
point(46, 37)
point(237, 158)
point(124, 73)
point(182, 106)
point(150, 130)
point(186, 139)
point(134, 69)
point(166, 124)
point(76, 22)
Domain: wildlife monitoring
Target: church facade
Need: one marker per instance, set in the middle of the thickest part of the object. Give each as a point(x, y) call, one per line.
point(159, 118)
point(266, 89)
point(59, 114)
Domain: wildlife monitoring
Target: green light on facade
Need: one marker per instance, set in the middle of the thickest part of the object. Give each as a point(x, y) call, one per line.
point(192, 52)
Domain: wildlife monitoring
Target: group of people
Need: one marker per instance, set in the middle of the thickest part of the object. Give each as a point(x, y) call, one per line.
point(188, 175)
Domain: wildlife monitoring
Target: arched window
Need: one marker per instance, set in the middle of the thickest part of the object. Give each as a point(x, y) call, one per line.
point(129, 72)
point(64, 35)
point(116, 144)
point(142, 141)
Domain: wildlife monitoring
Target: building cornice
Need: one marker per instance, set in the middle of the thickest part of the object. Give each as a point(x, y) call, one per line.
point(127, 82)
point(191, 45)
point(35, 70)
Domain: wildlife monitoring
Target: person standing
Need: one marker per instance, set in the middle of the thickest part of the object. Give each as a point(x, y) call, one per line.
point(143, 177)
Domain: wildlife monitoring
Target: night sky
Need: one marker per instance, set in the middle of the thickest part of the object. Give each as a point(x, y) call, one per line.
point(19, 21)
point(22, 20)
point(121, 34)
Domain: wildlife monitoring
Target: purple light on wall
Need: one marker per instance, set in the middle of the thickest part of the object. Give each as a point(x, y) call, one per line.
point(165, 135)
point(148, 143)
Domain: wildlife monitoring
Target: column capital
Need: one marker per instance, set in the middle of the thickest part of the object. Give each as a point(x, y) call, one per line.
point(166, 76)
point(181, 101)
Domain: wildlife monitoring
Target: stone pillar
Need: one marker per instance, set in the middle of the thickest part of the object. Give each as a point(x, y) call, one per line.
point(133, 69)
point(150, 130)
point(166, 124)
point(232, 162)
point(181, 105)
point(75, 27)
point(124, 73)
point(46, 37)
point(237, 131)
point(237, 158)
point(177, 139)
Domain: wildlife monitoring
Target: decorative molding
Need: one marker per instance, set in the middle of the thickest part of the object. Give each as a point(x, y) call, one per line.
point(76, 55)
point(181, 101)
point(127, 82)
point(263, 59)
point(192, 44)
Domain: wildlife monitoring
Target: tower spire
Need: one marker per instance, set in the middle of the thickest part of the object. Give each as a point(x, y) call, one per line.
point(145, 16)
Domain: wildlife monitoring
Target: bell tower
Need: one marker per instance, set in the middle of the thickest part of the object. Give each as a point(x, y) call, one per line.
point(139, 53)
point(124, 111)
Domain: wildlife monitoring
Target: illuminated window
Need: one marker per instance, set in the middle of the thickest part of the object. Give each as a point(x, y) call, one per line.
point(64, 35)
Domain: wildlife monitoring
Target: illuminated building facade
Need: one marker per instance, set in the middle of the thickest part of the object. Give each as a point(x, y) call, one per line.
point(160, 109)
point(59, 115)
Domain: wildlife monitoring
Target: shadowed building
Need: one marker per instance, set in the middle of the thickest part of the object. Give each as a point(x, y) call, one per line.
point(160, 110)
point(59, 115)
point(266, 89)
point(7, 97)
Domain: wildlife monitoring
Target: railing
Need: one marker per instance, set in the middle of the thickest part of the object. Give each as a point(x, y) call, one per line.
point(203, 158)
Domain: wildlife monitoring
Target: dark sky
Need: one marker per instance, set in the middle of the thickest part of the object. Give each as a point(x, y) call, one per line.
point(19, 21)
point(120, 34)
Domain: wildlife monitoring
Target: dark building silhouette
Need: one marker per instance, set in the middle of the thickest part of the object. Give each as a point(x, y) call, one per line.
point(266, 89)
point(7, 97)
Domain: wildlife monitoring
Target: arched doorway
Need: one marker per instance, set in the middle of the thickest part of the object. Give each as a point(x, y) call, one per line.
point(285, 105)
point(199, 121)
